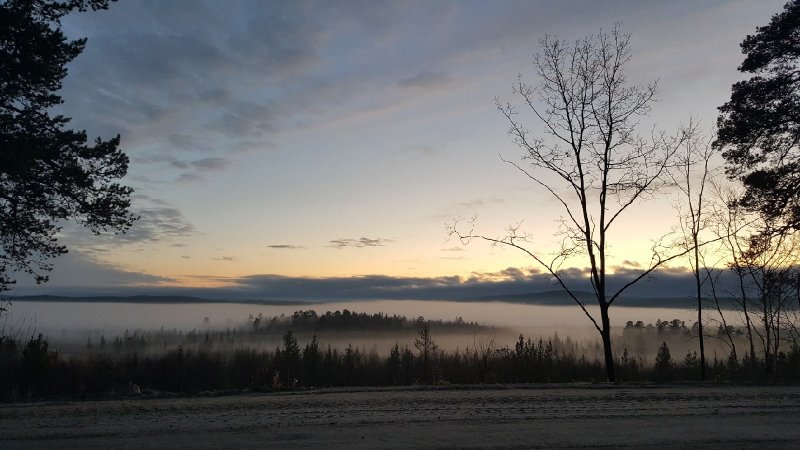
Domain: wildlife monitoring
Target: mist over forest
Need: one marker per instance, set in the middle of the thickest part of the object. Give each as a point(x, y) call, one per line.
point(399, 224)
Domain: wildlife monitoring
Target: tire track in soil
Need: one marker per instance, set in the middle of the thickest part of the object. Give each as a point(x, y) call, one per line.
point(57, 422)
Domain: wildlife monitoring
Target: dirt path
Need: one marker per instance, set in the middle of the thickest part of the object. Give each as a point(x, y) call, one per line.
point(529, 416)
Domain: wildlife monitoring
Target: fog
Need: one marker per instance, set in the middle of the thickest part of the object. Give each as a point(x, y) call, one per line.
point(71, 323)
point(66, 318)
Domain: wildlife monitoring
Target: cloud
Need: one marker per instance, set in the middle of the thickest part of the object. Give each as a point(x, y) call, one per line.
point(514, 273)
point(223, 258)
point(200, 167)
point(189, 177)
point(359, 242)
point(425, 80)
point(211, 164)
point(210, 80)
point(510, 281)
point(423, 150)
point(454, 249)
point(79, 273)
point(367, 286)
point(285, 246)
point(509, 273)
point(481, 202)
point(159, 72)
point(186, 142)
point(220, 80)
point(476, 205)
point(158, 222)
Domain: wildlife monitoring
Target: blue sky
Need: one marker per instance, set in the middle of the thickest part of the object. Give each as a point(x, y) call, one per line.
point(333, 140)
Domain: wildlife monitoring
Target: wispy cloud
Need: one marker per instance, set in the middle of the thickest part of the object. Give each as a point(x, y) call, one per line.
point(359, 242)
point(189, 177)
point(420, 150)
point(466, 207)
point(158, 222)
point(426, 80)
point(197, 170)
point(211, 164)
point(223, 258)
point(173, 87)
point(481, 202)
point(285, 246)
point(630, 263)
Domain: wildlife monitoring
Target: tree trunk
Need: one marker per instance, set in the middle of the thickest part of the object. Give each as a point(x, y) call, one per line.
point(605, 333)
point(700, 334)
point(768, 337)
point(698, 284)
point(748, 325)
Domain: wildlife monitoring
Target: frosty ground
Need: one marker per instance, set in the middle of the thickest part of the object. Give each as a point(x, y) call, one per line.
point(528, 416)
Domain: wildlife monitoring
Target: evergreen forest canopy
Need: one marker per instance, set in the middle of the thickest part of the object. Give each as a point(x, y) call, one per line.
point(124, 368)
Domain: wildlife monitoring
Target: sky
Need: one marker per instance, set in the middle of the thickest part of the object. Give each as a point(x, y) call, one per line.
point(284, 149)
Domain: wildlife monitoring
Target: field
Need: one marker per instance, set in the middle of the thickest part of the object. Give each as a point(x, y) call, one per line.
point(523, 416)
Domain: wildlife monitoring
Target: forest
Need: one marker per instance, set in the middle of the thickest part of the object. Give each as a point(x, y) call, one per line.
point(218, 362)
point(734, 190)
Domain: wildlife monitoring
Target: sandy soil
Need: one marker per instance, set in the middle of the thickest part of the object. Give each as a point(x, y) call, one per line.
point(597, 416)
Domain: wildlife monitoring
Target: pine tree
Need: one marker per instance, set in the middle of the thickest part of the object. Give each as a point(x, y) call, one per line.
point(48, 172)
point(759, 127)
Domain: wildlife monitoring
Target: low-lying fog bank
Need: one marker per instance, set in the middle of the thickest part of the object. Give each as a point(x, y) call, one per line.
point(61, 319)
point(152, 328)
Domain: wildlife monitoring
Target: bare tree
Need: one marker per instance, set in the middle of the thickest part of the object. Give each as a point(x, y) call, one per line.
point(765, 262)
point(727, 331)
point(730, 221)
point(591, 159)
point(793, 313)
point(769, 263)
point(691, 174)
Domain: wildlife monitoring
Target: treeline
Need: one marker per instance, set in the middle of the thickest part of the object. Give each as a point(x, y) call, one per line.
point(33, 371)
point(309, 320)
point(661, 326)
point(677, 327)
point(256, 328)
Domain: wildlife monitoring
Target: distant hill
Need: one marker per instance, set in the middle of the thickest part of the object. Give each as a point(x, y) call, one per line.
point(148, 299)
point(548, 298)
point(558, 298)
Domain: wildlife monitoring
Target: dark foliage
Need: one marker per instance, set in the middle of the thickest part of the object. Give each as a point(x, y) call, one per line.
point(35, 372)
point(663, 366)
point(309, 320)
point(426, 349)
point(260, 329)
point(48, 172)
point(759, 128)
